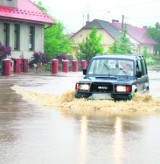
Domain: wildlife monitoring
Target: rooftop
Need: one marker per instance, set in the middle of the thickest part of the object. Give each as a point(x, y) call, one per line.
point(108, 27)
point(139, 34)
point(26, 12)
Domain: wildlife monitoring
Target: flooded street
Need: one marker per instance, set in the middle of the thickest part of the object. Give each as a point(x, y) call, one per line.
point(33, 130)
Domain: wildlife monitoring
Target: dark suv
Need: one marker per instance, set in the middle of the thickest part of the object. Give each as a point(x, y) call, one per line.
point(115, 77)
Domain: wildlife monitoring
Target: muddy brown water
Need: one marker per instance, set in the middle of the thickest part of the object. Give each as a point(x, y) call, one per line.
point(41, 123)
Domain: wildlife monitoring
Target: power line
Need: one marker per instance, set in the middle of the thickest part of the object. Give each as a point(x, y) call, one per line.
point(135, 4)
point(137, 20)
point(109, 9)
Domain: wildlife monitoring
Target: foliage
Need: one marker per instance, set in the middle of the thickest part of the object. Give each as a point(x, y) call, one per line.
point(122, 46)
point(38, 57)
point(47, 67)
point(148, 57)
point(114, 48)
point(154, 33)
point(91, 46)
point(145, 53)
point(40, 6)
point(4, 51)
point(61, 57)
point(56, 42)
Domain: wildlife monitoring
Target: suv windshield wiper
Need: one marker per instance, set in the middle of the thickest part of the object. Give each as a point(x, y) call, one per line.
point(124, 71)
point(107, 68)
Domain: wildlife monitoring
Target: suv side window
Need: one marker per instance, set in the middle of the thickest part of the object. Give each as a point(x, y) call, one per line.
point(144, 67)
point(139, 66)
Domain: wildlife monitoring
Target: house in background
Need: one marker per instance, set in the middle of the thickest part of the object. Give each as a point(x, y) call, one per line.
point(111, 32)
point(22, 27)
point(107, 30)
point(138, 37)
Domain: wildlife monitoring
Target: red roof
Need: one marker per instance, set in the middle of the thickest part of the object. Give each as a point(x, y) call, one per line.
point(139, 34)
point(26, 12)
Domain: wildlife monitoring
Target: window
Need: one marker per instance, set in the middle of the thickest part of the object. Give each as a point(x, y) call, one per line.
point(32, 38)
point(139, 66)
point(16, 37)
point(144, 67)
point(6, 34)
point(111, 67)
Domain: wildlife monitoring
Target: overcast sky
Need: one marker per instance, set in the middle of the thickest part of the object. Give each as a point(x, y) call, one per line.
point(73, 14)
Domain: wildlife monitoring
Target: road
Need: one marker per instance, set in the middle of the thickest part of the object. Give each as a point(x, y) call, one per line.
point(35, 133)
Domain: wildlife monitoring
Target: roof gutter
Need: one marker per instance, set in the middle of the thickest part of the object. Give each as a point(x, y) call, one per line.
point(26, 21)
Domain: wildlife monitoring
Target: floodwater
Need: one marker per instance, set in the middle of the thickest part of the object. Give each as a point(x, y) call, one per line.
point(41, 123)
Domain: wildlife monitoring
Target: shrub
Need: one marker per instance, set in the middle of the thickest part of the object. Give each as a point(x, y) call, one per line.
point(40, 57)
point(4, 51)
point(61, 57)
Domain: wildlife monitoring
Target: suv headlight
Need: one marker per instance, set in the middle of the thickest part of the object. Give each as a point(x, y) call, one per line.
point(122, 88)
point(84, 87)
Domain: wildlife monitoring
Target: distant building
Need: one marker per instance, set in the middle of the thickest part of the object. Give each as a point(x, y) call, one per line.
point(22, 27)
point(104, 28)
point(138, 37)
point(111, 32)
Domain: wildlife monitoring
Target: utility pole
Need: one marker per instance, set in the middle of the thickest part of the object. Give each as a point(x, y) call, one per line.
point(87, 12)
point(83, 19)
point(108, 12)
point(122, 27)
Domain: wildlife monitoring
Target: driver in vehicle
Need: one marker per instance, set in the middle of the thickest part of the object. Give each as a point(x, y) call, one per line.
point(128, 69)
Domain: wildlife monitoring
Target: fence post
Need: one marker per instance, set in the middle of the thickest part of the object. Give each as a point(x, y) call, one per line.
point(74, 65)
point(6, 67)
point(83, 64)
point(54, 66)
point(65, 65)
point(17, 65)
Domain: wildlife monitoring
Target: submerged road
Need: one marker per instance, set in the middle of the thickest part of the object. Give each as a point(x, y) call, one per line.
point(32, 134)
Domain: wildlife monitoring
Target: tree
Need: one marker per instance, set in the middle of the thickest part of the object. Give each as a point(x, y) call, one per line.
point(40, 6)
point(148, 57)
point(114, 48)
point(91, 46)
point(154, 33)
point(55, 40)
point(122, 46)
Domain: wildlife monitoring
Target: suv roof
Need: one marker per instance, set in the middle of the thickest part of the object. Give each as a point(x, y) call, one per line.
point(133, 57)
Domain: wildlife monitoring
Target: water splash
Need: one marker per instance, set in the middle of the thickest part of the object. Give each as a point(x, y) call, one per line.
point(66, 101)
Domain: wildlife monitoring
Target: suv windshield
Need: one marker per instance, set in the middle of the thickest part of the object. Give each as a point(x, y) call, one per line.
point(111, 67)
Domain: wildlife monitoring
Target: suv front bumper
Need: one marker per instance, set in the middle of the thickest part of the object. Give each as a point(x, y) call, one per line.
point(103, 96)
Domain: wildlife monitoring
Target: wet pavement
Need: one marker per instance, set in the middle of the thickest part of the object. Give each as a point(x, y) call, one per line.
point(33, 134)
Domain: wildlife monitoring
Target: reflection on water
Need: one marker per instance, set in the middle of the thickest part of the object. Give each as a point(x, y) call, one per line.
point(118, 152)
point(83, 139)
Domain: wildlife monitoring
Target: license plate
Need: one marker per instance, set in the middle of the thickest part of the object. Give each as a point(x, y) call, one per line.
point(102, 96)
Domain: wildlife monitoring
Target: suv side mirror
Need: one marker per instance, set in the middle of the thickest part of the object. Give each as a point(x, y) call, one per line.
point(84, 71)
point(139, 74)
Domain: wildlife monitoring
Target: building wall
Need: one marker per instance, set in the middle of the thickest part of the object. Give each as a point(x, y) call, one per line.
point(139, 47)
point(149, 48)
point(107, 40)
point(24, 38)
point(11, 3)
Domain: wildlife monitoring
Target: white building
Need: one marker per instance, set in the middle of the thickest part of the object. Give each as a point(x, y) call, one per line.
point(22, 27)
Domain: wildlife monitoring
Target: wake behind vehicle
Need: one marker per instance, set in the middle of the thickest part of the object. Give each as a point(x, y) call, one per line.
point(115, 77)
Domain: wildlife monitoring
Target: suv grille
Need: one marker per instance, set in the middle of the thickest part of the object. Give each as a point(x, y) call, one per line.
point(101, 87)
